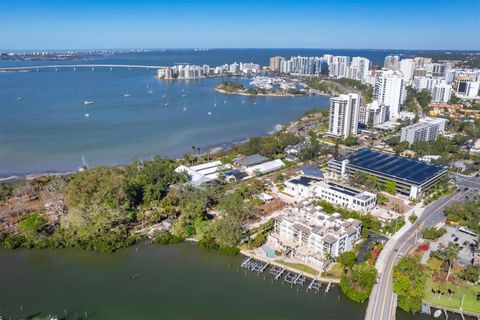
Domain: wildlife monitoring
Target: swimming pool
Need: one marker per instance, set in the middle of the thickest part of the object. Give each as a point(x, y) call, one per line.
point(269, 252)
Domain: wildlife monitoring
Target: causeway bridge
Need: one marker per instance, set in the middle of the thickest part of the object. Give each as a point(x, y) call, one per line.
point(75, 66)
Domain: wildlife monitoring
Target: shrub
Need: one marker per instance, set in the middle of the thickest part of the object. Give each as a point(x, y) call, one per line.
point(231, 251)
point(167, 238)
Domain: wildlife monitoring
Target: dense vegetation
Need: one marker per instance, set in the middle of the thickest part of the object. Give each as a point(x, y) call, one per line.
point(231, 86)
point(358, 281)
point(466, 214)
point(433, 233)
point(270, 146)
point(357, 85)
point(409, 278)
point(102, 208)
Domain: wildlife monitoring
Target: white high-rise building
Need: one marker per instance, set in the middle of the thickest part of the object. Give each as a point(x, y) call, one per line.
point(359, 68)
point(406, 68)
point(339, 67)
point(286, 66)
point(344, 114)
point(390, 90)
point(373, 114)
point(391, 62)
point(441, 92)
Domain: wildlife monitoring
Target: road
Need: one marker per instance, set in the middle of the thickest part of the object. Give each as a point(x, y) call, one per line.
point(381, 304)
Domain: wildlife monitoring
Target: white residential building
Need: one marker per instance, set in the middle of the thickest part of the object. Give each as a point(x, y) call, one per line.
point(313, 235)
point(373, 114)
point(285, 66)
point(338, 68)
point(359, 68)
point(344, 114)
point(427, 130)
point(441, 93)
point(391, 62)
point(391, 91)
point(337, 194)
point(406, 68)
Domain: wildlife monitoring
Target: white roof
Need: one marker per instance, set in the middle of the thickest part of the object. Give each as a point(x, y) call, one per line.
point(266, 167)
point(206, 165)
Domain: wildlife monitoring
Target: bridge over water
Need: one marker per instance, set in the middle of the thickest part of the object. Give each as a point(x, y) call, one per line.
point(74, 66)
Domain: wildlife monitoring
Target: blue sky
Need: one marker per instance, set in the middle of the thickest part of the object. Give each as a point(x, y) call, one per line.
point(400, 24)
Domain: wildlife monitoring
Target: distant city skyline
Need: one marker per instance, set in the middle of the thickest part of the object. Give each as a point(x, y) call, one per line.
point(346, 24)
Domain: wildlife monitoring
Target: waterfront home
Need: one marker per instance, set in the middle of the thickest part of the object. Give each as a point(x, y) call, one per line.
point(307, 233)
point(335, 193)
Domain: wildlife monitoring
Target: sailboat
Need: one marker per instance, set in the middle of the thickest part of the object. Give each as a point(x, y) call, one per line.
point(84, 164)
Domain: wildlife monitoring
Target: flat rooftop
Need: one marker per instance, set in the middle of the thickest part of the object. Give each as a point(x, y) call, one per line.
point(414, 171)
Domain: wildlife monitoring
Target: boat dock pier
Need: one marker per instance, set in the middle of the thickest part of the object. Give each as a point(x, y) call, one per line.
point(278, 271)
point(315, 285)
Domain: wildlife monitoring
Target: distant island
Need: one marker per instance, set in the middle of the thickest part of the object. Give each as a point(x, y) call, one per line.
point(231, 87)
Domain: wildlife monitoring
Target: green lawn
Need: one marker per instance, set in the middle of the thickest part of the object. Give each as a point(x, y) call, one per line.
point(299, 266)
point(470, 291)
point(336, 270)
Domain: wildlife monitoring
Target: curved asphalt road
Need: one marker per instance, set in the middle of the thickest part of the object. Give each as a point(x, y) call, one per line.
point(382, 304)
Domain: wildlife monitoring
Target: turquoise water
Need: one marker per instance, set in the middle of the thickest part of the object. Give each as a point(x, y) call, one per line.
point(269, 252)
point(47, 130)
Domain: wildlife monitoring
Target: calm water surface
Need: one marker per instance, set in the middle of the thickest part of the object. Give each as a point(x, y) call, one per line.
point(43, 126)
point(177, 281)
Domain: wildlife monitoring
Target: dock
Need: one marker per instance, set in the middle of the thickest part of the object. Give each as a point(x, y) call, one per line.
point(315, 285)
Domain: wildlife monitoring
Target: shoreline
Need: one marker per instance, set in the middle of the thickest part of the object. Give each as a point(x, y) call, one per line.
point(258, 94)
point(214, 149)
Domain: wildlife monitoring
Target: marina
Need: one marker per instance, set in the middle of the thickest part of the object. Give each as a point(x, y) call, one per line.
point(279, 273)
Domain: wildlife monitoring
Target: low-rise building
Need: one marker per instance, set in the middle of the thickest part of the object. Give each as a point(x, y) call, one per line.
point(427, 130)
point(249, 161)
point(311, 235)
point(335, 193)
point(265, 167)
point(203, 173)
point(411, 177)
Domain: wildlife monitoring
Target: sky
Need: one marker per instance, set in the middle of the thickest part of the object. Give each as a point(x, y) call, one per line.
point(350, 24)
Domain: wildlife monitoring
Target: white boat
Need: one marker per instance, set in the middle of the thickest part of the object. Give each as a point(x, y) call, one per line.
point(209, 113)
point(19, 98)
point(87, 115)
point(224, 101)
point(215, 104)
point(183, 95)
point(184, 109)
point(150, 91)
point(126, 95)
point(166, 104)
point(87, 102)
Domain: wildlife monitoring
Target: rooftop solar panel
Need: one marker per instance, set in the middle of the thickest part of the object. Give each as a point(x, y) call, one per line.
point(394, 166)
